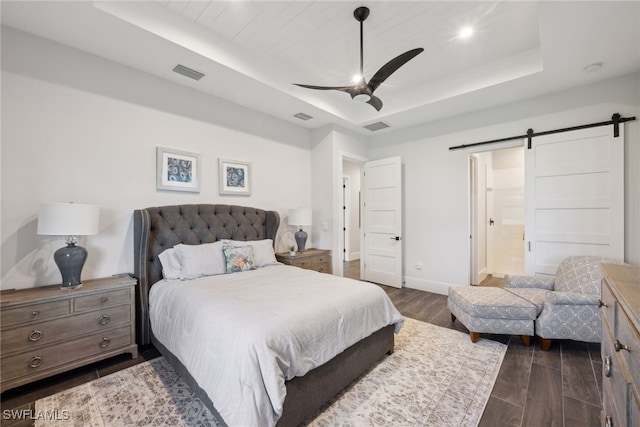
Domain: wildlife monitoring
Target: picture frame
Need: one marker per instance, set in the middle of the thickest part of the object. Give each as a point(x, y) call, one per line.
point(177, 170)
point(235, 177)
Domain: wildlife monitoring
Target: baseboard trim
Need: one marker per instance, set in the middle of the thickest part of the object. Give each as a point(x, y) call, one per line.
point(428, 285)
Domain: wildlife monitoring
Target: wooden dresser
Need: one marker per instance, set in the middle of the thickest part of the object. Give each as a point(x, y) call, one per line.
point(621, 346)
point(47, 330)
point(311, 259)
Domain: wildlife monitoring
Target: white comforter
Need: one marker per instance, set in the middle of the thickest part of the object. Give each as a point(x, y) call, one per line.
point(242, 335)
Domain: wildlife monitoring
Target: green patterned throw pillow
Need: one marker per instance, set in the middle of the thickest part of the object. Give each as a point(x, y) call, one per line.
point(239, 258)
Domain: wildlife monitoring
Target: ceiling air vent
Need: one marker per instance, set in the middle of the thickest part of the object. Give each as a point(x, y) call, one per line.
point(376, 126)
point(188, 72)
point(302, 116)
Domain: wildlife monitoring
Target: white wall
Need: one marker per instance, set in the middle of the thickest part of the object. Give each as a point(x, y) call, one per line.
point(77, 127)
point(436, 178)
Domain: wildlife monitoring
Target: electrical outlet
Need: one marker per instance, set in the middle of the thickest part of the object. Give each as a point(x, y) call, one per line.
point(325, 226)
point(418, 265)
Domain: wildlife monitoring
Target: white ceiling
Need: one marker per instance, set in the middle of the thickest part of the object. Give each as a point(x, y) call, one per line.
point(252, 51)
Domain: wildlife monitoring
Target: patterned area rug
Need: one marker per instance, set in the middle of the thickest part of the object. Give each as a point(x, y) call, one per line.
point(435, 377)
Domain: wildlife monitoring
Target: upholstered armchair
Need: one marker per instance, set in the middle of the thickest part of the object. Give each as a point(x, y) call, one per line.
point(569, 304)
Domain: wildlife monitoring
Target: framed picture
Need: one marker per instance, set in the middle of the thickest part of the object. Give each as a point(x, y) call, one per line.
point(235, 177)
point(177, 170)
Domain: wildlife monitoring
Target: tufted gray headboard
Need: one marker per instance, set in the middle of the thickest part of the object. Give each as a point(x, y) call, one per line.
point(160, 228)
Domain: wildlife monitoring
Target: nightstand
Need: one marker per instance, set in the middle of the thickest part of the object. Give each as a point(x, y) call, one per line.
point(47, 330)
point(311, 259)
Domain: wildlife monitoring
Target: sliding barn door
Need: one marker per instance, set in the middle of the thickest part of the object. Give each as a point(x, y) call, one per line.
point(574, 197)
point(382, 222)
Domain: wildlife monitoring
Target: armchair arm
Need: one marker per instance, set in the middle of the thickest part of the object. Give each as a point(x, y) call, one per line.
point(571, 298)
point(528, 282)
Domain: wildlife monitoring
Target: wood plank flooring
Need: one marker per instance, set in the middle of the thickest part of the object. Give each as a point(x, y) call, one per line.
point(535, 388)
point(560, 387)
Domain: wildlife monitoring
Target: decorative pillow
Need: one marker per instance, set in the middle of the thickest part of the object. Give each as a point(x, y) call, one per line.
point(263, 252)
point(201, 260)
point(170, 264)
point(239, 258)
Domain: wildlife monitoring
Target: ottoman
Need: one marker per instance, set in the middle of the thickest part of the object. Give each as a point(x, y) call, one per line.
point(492, 310)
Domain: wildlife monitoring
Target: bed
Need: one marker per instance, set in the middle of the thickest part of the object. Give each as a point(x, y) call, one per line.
point(305, 387)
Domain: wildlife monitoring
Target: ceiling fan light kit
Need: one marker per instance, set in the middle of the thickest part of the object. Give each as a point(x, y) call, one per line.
point(363, 90)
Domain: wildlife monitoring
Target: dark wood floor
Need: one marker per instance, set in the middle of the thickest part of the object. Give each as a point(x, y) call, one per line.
point(560, 387)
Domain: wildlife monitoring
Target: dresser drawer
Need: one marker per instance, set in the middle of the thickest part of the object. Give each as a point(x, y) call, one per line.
point(630, 343)
point(105, 299)
point(39, 334)
point(49, 357)
point(35, 312)
point(616, 377)
point(608, 305)
point(634, 409)
point(609, 412)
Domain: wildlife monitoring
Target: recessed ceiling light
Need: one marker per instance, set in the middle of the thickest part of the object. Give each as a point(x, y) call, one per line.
point(465, 32)
point(592, 68)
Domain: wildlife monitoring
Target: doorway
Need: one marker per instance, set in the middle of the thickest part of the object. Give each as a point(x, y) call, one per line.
point(497, 213)
point(350, 210)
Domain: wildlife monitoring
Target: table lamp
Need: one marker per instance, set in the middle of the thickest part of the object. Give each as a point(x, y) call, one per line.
point(300, 217)
point(70, 220)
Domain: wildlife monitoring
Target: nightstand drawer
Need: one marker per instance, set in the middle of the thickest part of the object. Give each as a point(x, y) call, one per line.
point(35, 312)
point(105, 299)
point(39, 334)
point(46, 358)
point(311, 259)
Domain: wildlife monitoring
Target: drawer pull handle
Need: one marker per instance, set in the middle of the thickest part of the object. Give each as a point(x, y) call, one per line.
point(35, 313)
point(104, 299)
point(104, 319)
point(603, 304)
point(35, 335)
point(35, 362)
point(105, 342)
point(608, 421)
point(606, 369)
point(619, 346)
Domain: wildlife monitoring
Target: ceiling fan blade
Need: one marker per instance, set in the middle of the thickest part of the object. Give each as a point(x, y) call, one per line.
point(348, 89)
point(375, 102)
point(392, 66)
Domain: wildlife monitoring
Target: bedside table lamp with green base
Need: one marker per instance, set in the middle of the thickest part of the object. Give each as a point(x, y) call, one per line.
point(71, 220)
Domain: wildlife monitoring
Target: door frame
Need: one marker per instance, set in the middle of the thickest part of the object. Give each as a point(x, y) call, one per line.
point(341, 156)
point(346, 217)
point(473, 210)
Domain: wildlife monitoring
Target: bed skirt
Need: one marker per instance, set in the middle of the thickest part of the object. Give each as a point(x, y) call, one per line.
point(306, 394)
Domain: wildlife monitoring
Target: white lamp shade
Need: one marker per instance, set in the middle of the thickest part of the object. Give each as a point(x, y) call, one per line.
point(68, 219)
point(300, 216)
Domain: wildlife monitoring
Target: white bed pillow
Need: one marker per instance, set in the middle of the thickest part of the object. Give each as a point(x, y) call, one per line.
point(170, 264)
point(201, 260)
point(263, 253)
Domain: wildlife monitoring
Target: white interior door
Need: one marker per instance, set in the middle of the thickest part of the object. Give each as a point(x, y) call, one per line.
point(574, 197)
point(382, 222)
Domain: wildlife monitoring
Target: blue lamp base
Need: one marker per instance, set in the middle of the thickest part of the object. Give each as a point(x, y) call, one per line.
point(70, 260)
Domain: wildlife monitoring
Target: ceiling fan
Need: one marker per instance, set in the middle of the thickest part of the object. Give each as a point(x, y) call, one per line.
point(363, 90)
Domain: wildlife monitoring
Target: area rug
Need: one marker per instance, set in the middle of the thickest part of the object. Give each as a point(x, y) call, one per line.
point(435, 377)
